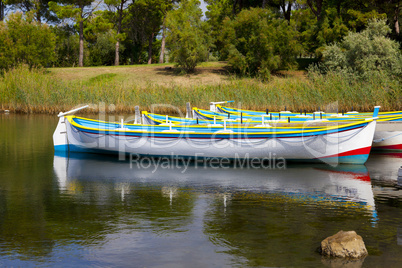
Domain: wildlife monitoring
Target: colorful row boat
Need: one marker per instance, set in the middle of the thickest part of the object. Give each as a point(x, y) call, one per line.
point(204, 117)
point(340, 143)
point(217, 107)
point(293, 117)
point(388, 135)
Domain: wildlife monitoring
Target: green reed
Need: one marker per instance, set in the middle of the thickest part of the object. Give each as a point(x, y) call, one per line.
point(35, 91)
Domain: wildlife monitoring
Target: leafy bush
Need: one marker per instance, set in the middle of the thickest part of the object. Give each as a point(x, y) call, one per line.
point(23, 40)
point(366, 52)
point(102, 52)
point(257, 42)
point(67, 47)
point(187, 38)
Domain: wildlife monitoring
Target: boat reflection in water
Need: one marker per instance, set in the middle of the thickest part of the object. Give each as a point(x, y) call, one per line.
point(319, 183)
point(383, 167)
point(212, 216)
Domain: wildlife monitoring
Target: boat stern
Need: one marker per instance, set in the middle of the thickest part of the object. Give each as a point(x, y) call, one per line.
point(60, 141)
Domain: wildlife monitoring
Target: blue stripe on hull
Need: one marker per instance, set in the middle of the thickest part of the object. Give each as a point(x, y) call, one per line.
point(349, 159)
point(61, 148)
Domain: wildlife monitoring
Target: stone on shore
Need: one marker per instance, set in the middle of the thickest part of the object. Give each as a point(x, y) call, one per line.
point(344, 245)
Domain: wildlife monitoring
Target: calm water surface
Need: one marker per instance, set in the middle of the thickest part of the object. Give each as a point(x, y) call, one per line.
point(86, 210)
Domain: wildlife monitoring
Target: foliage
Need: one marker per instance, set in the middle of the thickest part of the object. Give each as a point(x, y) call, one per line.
point(79, 11)
point(23, 40)
point(71, 9)
point(187, 37)
point(138, 26)
point(67, 47)
point(315, 35)
point(102, 52)
point(7, 51)
point(257, 42)
point(141, 24)
point(39, 8)
point(117, 12)
point(366, 52)
point(217, 11)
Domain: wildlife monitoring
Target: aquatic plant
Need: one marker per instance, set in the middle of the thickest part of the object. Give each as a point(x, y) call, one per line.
point(38, 91)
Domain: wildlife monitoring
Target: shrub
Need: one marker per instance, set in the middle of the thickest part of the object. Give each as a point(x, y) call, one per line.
point(23, 40)
point(257, 42)
point(366, 52)
point(187, 38)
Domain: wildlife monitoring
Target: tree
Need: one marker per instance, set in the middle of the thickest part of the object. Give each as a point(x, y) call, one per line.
point(188, 41)
point(39, 7)
point(286, 8)
point(257, 42)
point(102, 51)
point(165, 6)
point(336, 19)
point(7, 51)
point(217, 11)
point(78, 10)
point(393, 10)
point(365, 52)
point(67, 46)
point(101, 38)
point(316, 7)
point(2, 8)
point(145, 22)
point(23, 40)
point(118, 6)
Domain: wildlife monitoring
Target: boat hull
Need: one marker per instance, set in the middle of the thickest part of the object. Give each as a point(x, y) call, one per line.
point(388, 135)
point(351, 146)
point(387, 140)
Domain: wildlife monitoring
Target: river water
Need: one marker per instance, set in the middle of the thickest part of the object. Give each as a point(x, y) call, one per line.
point(87, 210)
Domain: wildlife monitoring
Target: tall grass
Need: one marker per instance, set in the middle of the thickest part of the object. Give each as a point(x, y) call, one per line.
point(35, 91)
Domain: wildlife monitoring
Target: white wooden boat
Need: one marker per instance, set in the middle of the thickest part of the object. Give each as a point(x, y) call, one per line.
point(388, 135)
point(347, 143)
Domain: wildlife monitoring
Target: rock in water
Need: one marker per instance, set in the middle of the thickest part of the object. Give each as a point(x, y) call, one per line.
point(344, 245)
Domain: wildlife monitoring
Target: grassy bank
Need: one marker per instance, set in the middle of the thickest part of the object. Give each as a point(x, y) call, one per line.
point(121, 88)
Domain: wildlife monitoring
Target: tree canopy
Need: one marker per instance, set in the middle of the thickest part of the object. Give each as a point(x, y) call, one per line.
point(257, 42)
point(365, 52)
point(187, 35)
point(255, 36)
point(24, 40)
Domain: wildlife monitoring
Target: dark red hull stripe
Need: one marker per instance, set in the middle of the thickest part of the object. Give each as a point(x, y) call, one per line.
point(389, 147)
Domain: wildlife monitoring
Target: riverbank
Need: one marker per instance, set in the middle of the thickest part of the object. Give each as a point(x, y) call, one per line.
point(119, 89)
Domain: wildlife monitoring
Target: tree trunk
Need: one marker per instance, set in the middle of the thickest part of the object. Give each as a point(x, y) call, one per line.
point(117, 55)
point(162, 55)
point(338, 8)
point(317, 10)
point(1, 10)
point(117, 59)
point(286, 9)
point(37, 11)
point(234, 7)
point(264, 3)
point(151, 38)
point(396, 18)
point(81, 56)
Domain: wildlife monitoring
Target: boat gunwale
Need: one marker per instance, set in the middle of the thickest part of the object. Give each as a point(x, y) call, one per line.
point(365, 114)
point(346, 127)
